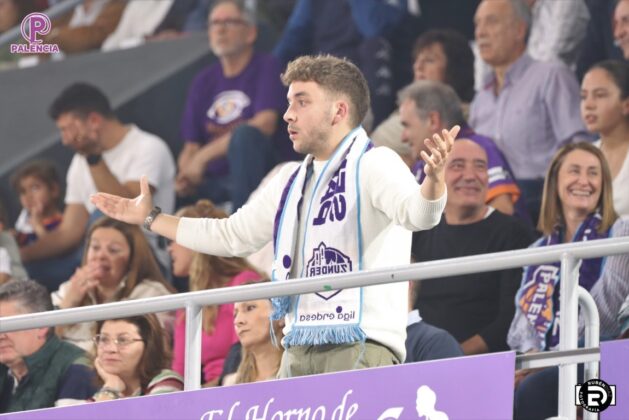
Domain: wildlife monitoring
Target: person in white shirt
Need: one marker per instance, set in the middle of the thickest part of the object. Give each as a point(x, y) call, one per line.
point(346, 207)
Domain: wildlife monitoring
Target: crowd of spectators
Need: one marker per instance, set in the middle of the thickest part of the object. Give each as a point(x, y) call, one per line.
point(542, 158)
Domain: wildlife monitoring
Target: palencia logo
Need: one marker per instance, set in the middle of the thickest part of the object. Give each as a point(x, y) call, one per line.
point(595, 395)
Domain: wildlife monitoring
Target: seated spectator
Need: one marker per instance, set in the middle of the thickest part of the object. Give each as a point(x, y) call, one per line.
point(427, 108)
point(423, 341)
point(441, 56)
point(110, 157)
point(605, 111)
point(37, 370)
point(87, 26)
point(598, 43)
point(10, 261)
point(620, 26)
point(208, 272)
point(475, 308)
point(132, 359)
point(39, 188)
point(528, 107)
point(117, 265)
point(261, 351)
point(232, 113)
point(577, 206)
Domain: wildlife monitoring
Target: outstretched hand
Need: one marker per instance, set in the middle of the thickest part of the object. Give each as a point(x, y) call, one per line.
point(128, 210)
point(440, 147)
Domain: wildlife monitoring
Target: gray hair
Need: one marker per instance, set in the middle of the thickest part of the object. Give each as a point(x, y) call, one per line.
point(244, 7)
point(522, 12)
point(430, 96)
point(29, 295)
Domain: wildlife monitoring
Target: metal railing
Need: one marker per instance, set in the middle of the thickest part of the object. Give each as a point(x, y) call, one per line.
point(568, 254)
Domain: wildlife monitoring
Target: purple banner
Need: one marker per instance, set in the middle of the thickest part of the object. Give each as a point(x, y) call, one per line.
point(478, 387)
point(615, 371)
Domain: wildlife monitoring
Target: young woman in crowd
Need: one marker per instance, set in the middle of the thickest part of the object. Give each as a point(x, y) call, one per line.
point(117, 265)
point(577, 205)
point(132, 359)
point(208, 272)
point(605, 111)
point(261, 353)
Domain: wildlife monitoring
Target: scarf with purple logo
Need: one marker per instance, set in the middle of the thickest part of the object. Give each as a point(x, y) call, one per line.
point(538, 297)
point(331, 245)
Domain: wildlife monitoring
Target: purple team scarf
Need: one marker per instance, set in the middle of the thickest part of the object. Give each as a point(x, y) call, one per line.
point(538, 297)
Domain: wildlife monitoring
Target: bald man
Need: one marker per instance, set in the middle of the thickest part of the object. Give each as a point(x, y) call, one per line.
point(476, 309)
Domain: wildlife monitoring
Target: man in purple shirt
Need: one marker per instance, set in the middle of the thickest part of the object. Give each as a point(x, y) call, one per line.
point(426, 108)
point(529, 107)
point(232, 113)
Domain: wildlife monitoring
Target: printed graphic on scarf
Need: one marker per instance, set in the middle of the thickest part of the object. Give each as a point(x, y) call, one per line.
point(327, 260)
point(537, 299)
point(333, 204)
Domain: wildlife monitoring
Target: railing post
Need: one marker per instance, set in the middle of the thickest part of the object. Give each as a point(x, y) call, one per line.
point(568, 333)
point(589, 311)
point(192, 369)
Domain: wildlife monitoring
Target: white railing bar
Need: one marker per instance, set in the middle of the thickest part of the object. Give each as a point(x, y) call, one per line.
point(589, 311)
point(192, 368)
point(554, 358)
point(568, 333)
point(418, 271)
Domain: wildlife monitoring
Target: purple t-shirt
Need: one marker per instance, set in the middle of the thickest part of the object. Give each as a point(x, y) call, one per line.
point(216, 104)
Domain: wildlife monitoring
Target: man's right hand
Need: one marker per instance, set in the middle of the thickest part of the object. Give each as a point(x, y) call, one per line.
point(128, 210)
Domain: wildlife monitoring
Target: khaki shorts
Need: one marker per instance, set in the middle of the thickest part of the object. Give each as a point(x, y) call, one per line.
point(310, 360)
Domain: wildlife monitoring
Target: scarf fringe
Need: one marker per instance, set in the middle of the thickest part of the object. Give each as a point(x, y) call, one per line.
point(338, 334)
point(281, 307)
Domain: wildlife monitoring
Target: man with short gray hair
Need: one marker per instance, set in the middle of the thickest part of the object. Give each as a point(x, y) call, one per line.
point(426, 108)
point(37, 370)
point(530, 108)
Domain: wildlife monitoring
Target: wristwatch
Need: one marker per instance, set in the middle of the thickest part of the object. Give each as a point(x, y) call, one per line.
point(151, 217)
point(93, 159)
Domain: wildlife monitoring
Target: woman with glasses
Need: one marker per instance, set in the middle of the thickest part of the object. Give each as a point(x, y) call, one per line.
point(118, 264)
point(132, 359)
point(207, 272)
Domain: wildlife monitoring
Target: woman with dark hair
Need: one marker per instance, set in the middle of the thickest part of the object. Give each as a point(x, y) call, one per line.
point(439, 56)
point(208, 272)
point(605, 110)
point(577, 206)
point(132, 359)
point(445, 56)
point(118, 264)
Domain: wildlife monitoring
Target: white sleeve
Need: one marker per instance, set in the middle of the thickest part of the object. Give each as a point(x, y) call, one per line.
point(5, 261)
point(244, 232)
point(393, 190)
point(75, 186)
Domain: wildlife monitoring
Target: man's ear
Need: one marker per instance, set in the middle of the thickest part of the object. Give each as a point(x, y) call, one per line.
point(341, 112)
point(42, 332)
point(625, 107)
point(434, 121)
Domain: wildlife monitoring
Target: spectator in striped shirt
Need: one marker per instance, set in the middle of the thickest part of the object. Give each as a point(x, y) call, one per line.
point(132, 359)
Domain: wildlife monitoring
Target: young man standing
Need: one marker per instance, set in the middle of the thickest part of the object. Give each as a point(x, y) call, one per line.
point(346, 207)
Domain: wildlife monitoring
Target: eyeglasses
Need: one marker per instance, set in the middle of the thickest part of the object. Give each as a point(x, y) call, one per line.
point(226, 23)
point(120, 342)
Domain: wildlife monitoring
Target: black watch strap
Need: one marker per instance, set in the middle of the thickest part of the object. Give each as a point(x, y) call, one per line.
point(151, 217)
point(93, 159)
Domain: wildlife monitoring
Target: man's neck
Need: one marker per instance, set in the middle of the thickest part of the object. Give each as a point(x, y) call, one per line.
point(464, 215)
point(500, 72)
point(18, 369)
point(234, 65)
point(112, 134)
